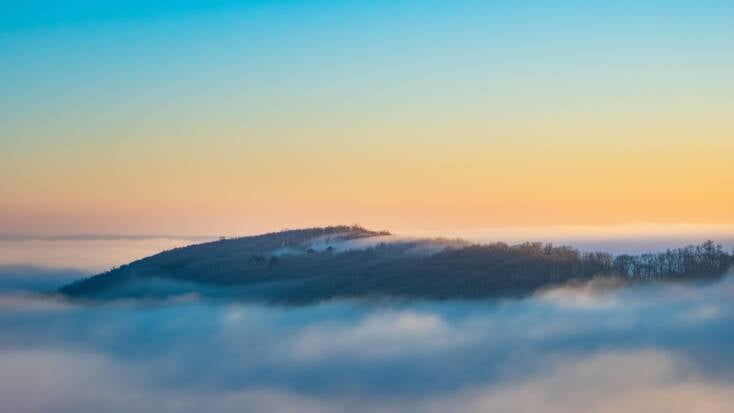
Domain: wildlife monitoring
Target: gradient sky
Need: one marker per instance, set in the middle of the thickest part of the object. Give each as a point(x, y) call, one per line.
point(208, 117)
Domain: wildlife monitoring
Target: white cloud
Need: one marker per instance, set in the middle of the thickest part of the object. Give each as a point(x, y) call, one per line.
point(634, 382)
point(386, 334)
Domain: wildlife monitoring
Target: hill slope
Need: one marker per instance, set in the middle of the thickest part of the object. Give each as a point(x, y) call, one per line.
point(298, 266)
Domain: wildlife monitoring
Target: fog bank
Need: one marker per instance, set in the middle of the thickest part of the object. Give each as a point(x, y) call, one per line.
point(593, 348)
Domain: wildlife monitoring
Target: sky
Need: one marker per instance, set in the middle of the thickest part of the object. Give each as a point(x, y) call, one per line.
point(235, 117)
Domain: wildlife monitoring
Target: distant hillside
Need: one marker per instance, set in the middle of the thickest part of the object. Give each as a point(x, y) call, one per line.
point(306, 265)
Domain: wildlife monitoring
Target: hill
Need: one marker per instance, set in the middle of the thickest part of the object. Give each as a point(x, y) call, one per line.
point(307, 265)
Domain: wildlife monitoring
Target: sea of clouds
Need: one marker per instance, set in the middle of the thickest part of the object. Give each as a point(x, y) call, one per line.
point(583, 348)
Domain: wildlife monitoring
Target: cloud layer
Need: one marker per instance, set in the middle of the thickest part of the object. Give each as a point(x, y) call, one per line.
point(592, 348)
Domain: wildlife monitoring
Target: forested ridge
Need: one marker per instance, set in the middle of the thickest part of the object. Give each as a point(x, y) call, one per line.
point(325, 263)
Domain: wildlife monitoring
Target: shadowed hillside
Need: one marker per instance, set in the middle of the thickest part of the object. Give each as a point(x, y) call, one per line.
point(298, 266)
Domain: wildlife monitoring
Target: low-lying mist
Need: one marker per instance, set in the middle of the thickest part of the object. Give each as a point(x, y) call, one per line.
point(89, 254)
point(589, 347)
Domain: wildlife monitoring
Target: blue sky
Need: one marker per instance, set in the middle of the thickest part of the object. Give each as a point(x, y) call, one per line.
point(119, 98)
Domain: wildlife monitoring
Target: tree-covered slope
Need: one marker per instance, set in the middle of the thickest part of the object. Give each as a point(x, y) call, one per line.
point(343, 262)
